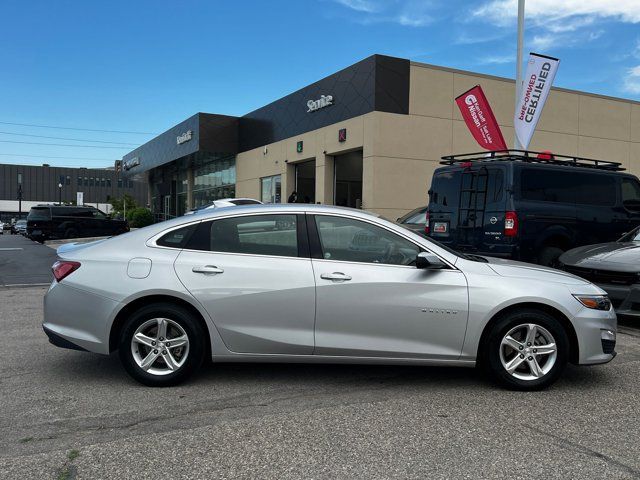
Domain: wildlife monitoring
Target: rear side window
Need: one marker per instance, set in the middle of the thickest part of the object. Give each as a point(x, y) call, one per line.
point(255, 235)
point(546, 186)
point(39, 213)
point(594, 189)
point(177, 238)
point(568, 187)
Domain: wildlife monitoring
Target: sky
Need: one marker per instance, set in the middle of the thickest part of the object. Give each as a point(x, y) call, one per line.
point(96, 69)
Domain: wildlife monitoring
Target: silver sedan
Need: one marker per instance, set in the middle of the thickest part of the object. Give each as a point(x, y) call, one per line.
point(310, 283)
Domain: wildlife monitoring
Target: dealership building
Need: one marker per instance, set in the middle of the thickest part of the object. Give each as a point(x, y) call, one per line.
point(24, 186)
point(369, 136)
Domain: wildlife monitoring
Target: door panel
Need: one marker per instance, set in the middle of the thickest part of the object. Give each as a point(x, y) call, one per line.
point(259, 304)
point(389, 311)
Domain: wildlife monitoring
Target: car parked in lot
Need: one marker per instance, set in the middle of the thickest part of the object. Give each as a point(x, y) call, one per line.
point(311, 283)
point(614, 267)
point(415, 220)
point(20, 227)
point(224, 202)
point(46, 222)
point(530, 206)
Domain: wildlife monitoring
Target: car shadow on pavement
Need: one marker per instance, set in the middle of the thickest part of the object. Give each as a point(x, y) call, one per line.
point(94, 369)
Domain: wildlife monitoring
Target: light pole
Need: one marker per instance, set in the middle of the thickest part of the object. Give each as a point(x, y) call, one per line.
point(516, 142)
point(19, 195)
point(60, 194)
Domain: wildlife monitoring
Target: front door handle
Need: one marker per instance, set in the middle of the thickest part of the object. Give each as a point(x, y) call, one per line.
point(207, 269)
point(335, 276)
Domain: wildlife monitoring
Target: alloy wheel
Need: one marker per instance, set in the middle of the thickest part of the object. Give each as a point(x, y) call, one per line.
point(160, 346)
point(528, 352)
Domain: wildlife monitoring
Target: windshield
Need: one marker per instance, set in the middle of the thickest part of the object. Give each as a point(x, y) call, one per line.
point(39, 213)
point(632, 236)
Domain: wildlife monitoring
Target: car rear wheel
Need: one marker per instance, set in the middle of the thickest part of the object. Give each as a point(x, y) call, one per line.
point(526, 350)
point(161, 345)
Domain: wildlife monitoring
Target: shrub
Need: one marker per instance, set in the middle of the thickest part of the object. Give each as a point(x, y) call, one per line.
point(139, 217)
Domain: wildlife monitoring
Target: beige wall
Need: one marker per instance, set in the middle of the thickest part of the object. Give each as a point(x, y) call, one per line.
point(402, 151)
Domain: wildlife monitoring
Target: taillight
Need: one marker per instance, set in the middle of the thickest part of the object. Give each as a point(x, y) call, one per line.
point(62, 269)
point(426, 224)
point(511, 224)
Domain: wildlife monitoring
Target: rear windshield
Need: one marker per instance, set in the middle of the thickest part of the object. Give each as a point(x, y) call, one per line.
point(582, 188)
point(245, 201)
point(445, 188)
point(39, 213)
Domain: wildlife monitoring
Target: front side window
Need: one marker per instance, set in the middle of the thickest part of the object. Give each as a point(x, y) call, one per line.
point(350, 240)
point(254, 235)
point(631, 194)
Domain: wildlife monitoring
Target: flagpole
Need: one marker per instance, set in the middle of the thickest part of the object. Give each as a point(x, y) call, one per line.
point(516, 142)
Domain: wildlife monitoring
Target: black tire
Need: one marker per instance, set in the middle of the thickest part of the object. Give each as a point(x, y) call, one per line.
point(548, 256)
point(188, 323)
point(490, 351)
point(71, 233)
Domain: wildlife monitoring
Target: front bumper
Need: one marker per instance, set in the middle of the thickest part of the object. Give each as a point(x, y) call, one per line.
point(625, 298)
point(596, 332)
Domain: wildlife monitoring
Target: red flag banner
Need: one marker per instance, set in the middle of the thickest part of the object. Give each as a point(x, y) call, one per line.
point(480, 120)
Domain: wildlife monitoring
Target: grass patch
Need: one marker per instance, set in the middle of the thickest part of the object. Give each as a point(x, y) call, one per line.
point(72, 455)
point(25, 439)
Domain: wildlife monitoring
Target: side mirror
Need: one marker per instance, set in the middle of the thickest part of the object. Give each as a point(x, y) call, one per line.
point(429, 261)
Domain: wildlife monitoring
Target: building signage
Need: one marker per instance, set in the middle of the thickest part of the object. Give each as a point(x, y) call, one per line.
point(323, 101)
point(79, 198)
point(299, 146)
point(185, 137)
point(130, 163)
point(342, 135)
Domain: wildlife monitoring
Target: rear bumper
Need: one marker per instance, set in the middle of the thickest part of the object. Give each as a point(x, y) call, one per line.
point(78, 319)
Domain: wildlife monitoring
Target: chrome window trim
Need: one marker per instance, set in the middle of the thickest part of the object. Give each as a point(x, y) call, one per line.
point(152, 241)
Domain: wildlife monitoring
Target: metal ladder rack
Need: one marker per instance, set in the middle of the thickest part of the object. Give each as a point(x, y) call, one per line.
point(531, 157)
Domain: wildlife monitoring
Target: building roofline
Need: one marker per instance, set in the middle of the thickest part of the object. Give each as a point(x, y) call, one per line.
point(510, 80)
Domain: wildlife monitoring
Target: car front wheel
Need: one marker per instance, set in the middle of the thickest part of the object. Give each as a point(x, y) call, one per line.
point(526, 350)
point(161, 345)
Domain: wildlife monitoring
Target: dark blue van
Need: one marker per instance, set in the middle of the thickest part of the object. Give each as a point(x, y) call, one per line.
point(529, 206)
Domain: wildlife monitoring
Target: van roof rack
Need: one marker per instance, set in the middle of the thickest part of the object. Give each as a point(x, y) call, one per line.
point(531, 157)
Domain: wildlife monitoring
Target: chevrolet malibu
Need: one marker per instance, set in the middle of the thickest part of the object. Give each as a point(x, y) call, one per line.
point(310, 283)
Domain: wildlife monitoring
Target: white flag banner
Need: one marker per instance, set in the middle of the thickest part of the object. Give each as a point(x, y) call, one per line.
point(541, 70)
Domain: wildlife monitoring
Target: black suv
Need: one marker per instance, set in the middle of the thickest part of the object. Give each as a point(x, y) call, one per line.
point(46, 222)
point(529, 206)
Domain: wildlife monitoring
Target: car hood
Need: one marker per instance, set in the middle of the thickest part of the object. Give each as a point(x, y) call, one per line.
point(511, 268)
point(618, 256)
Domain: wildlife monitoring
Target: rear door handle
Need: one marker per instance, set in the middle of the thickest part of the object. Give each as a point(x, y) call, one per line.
point(335, 276)
point(207, 269)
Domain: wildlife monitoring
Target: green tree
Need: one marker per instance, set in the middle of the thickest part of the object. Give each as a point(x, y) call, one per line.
point(118, 205)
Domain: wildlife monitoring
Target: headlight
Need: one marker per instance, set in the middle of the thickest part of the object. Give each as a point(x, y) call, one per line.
point(596, 302)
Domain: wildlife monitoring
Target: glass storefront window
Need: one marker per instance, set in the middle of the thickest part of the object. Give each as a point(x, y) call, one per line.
point(271, 189)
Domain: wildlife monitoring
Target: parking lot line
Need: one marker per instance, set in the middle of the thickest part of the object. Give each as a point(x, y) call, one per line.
point(12, 248)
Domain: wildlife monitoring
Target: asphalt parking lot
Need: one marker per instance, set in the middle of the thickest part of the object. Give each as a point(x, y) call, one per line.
point(24, 262)
point(68, 414)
